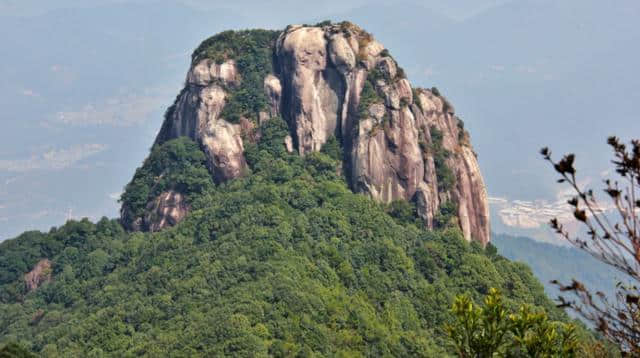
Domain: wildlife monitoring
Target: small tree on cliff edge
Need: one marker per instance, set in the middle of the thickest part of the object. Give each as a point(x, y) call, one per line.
point(613, 237)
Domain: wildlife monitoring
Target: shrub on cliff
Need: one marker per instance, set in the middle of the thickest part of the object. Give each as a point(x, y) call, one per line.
point(252, 50)
point(177, 165)
point(444, 174)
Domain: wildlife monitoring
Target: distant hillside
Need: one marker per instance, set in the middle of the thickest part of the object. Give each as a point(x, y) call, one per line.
point(551, 262)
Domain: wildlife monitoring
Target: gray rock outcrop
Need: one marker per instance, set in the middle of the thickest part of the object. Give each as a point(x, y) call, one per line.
point(400, 143)
point(196, 114)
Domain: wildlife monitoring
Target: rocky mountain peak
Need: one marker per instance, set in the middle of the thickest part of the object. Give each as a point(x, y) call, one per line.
point(327, 81)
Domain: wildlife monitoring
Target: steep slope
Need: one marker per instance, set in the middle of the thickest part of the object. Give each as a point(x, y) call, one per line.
point(330, 81)
point(286, 261)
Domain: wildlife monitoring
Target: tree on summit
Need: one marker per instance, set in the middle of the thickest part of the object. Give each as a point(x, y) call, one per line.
point(613, 237)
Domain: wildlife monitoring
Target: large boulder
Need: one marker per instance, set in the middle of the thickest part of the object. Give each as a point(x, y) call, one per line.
point(400, 142)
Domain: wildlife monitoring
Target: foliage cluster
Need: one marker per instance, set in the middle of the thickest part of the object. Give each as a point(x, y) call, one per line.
point(369, 95)
point(444, 174)
point(404, 212)
point(13, 350)
point(177, 165)
point(286, 261)
point(494, 330)
point(461, 131)
point(416, 95)
point(333, 149)
point(447, 215)
point(322, 23)
point(400, 73)
point(376, 74)
point(252, 51)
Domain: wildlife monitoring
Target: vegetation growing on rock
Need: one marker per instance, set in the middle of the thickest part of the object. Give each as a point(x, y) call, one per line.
point(446, 177)
point(493, 330)
point(281, 258)
point(312, 89)
point(286, 261)
point(447, 215)
point(13, 350)
point(177, 165)
point(252, 51)
point(369, 95)
point(462, 133)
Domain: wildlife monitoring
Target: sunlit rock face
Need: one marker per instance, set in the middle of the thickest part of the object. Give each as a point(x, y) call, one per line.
point(196, 114)
point(337, 80)
point(40, 274)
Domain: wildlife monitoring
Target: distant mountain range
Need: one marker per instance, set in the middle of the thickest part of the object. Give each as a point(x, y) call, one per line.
point(551, 262)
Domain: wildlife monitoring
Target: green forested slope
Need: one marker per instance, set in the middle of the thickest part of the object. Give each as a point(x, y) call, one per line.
point(287, 261)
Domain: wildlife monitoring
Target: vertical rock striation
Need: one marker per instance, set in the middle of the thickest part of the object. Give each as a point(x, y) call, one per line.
point(196, 114)
point(400, 143)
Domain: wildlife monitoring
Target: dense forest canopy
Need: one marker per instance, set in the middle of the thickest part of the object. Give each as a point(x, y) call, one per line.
point(285, 261)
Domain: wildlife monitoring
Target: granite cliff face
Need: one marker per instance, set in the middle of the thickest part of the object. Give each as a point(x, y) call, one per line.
point(399, 142)
point(40, 274)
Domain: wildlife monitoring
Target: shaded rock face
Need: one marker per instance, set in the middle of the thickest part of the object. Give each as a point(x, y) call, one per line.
point(336, 80)
point(40, 274)
point(166, 210)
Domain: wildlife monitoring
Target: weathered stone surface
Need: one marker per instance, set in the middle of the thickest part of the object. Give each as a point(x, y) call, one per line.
point(168, 209)
point(197, 115)
point(40, 274)
point(388, 67)
point(377, 111)
point(469, 192)
point(387, 161)
point(207, 71)
point(320, 74)
point(222, 142)
point(472, 196)
point(341, 53)
point(288, 143)
point(369, 53)
point(273, 89)
point(389, 157)
point(312, 91)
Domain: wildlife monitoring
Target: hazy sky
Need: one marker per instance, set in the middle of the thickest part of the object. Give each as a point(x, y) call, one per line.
point(84, 85)
point(456, 9)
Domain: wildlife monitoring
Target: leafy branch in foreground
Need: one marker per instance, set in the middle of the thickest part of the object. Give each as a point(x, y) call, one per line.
point(491, 330)
point(612, 237)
